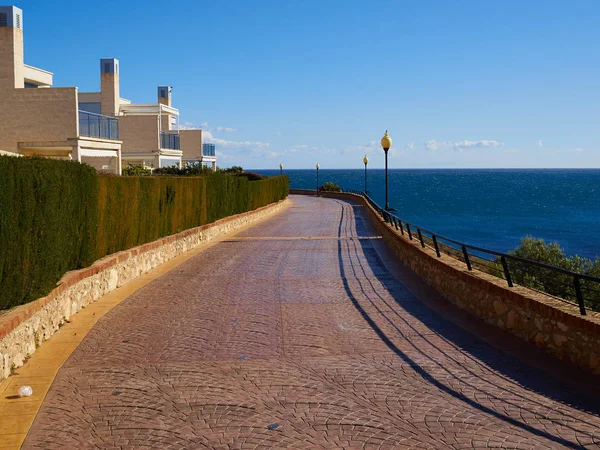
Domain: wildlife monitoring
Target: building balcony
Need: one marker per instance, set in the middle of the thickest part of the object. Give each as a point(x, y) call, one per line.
point(170, 141)
point(208, 150)
point(98, 126)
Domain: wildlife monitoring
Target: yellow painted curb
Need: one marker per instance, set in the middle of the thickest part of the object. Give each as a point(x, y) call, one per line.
point(17, 414)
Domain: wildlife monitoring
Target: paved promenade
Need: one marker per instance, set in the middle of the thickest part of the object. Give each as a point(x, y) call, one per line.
point(296, 334)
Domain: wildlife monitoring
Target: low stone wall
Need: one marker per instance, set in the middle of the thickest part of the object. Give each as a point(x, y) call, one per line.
point(549, 323)
point(303, 191)
point(24, 328)
point(5, 153)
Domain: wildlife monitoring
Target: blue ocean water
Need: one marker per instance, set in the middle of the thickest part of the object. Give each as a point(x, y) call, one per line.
point(492, 208)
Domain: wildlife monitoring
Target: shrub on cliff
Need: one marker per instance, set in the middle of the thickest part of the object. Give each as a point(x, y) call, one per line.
point(330, 187)
point(551, 281)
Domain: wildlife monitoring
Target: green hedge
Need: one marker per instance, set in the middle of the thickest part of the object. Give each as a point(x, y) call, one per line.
point(57, 216)
point(47, 214)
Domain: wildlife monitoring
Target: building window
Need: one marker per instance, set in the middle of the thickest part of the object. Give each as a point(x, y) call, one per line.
point(18, 16)
point(3, 20)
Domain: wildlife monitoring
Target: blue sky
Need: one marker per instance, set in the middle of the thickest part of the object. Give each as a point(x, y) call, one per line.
point(456, 83)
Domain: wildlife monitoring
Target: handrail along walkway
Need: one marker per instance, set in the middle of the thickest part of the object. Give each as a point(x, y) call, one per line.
point(501, 264)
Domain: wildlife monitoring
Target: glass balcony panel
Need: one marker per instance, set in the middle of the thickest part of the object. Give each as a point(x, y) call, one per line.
point(208, 150)
point(170, 141)
point(98, 126)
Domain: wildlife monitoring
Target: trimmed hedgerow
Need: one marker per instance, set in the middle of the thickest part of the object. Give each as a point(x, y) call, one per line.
point(57, 216)
point(48, 216)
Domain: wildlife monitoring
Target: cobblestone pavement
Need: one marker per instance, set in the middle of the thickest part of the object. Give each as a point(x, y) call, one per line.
point(293, 334)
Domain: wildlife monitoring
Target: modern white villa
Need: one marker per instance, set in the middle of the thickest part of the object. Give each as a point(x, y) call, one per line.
point(99, 128)
point(38, 119)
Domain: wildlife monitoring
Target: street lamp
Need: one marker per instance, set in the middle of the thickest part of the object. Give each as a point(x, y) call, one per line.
point(366, 161)
point(280, 168)
point(386, 143)
point(317, 166)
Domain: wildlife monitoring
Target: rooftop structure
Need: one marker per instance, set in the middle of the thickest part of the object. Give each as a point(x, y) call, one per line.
point(148, 130)
point(38, 119)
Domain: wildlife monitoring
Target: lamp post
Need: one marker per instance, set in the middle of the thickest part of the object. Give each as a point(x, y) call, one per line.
point(366, 161)
point(280, 168)
point(317, 166)
point(386, 143)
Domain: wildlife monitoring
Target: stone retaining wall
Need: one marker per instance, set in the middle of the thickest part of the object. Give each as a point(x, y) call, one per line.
point(24, 328)
point(549, 323)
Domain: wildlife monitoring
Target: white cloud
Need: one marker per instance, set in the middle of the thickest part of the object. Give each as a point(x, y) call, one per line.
point(277, 133)
point(461, 145)
point(210, 138)
point(205, 126)
point(223, 143)
point(540, 144)
point(436, 145)
point(578, 150)
point(223, 156)
point(272, 155)
point(187, 126)
point(409, 146)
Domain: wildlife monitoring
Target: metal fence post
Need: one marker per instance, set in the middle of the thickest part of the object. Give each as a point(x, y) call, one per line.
point(401, 228)
point(421, 237)
point(466, 255)
point(435, 244)
point(506, 271)
point(579, 296)
point(409, 232)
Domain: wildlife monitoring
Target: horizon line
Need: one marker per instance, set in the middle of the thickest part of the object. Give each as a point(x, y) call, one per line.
point(438, 168)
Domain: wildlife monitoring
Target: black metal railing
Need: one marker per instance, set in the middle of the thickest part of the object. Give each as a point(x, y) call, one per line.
point(584, 290)
point(208, 150)
point(98, 126)
point(170, 141)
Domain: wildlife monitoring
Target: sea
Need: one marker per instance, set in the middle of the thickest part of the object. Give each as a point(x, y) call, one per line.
point(490, 208)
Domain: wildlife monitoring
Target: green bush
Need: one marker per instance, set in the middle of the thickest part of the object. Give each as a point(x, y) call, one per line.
point(330, 187)
point(58, 216)
point(252, 176)
point(233, 170)
point(136, 171)
point(551, 281)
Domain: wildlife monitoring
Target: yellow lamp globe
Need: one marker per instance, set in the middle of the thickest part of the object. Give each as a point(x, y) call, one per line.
point(366, 160)
point(386, 141)
point(318, 166)
point(281, 165)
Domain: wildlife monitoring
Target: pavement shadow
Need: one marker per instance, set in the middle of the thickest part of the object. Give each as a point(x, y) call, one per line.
point(517, 378)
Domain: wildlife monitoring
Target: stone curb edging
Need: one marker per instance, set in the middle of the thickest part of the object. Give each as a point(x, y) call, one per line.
point(549, 323)
point(25, 327)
